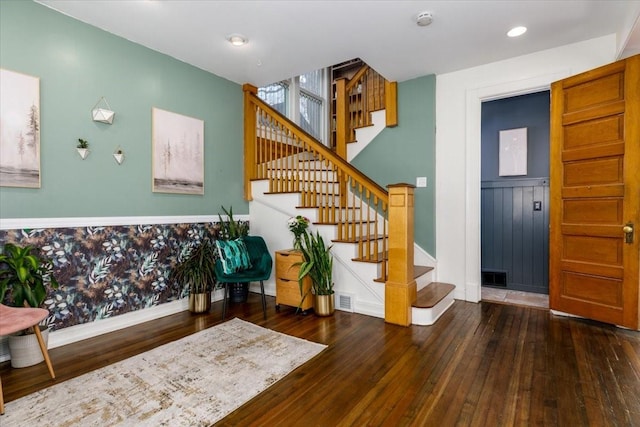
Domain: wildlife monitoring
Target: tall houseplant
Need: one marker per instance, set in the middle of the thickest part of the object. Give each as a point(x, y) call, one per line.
point(231, 229)
point(26, 275)
point(318, 265)
point(197, 270)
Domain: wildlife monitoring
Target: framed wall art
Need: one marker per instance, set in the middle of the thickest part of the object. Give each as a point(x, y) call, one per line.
point(177, 152)
point(19, 130)
point(513, 152)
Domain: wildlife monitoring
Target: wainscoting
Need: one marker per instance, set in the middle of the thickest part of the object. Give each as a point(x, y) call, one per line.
point(110, 267)
point(515, 234)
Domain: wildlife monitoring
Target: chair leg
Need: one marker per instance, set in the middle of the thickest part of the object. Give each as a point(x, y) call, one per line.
point(264, 300)
point(224, 302)
point(43, 348)
point(1, 399)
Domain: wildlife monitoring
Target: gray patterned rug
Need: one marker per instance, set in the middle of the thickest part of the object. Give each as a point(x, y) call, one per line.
point(194, 381)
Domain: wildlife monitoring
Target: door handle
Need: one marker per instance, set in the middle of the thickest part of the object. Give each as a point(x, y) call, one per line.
point(628, 232)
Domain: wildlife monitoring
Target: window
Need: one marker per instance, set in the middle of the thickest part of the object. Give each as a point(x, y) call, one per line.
point(301, 99)
point(277, 96)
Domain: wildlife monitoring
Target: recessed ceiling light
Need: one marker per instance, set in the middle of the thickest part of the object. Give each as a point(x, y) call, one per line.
point(517, 31)
point(237, 39)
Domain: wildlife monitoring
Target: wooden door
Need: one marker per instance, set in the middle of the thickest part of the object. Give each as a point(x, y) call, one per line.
point(595, 176)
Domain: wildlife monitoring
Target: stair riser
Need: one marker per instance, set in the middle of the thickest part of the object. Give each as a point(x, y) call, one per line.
point(348, 231)
point(290, 185)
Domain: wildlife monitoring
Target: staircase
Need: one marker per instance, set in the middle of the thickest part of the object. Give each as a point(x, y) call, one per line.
point(289, 173)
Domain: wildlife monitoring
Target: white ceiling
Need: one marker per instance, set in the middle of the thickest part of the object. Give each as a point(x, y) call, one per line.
point(287, 38)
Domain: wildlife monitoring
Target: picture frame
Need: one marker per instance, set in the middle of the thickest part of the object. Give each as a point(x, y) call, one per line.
point(513, 152)
point(20, 132)
point(177, 153)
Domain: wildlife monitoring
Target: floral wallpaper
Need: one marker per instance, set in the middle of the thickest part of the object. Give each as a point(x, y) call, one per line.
point(111, 270)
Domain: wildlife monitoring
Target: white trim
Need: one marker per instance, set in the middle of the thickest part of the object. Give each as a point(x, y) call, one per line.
point(18, 223)
point(474, 99)
point(368, 308)
point(429, 316)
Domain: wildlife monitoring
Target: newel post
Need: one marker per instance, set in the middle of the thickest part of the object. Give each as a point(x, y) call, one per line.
point(250, 141)
point(342, 118)
point(400, 288)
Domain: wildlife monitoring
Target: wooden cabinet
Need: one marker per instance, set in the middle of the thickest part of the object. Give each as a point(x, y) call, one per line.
point(287, 288)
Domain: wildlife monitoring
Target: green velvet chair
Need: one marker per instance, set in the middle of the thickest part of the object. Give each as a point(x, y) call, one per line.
point(261, 265)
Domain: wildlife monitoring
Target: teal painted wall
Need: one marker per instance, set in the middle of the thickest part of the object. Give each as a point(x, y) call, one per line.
point(77, 64)
point(407, 151)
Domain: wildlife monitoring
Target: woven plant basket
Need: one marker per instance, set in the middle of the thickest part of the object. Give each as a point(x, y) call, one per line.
point(24, 349)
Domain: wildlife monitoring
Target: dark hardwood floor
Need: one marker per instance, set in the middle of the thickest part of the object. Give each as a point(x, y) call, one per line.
point(481, 365)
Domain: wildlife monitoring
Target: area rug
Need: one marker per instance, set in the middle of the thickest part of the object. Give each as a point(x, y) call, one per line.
point(194, 381)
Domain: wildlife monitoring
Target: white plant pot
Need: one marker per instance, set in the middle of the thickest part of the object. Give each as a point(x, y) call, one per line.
point(103, 115)
point(119, 158)
point(25, 350)
point(84, 152)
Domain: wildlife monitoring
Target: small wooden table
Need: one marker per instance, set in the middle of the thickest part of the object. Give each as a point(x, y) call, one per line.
point(287, 287)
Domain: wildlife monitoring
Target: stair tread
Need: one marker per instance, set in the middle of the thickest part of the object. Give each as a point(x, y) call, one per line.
point(326, 207)
point(376, 258)
point(418, 270)
point(432, 294)
point(359, 239)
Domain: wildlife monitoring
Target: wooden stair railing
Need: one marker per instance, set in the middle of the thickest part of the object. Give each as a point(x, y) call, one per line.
point(366, 92)
point(278, 150)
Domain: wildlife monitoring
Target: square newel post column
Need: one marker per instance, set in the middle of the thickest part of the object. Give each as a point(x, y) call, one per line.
point(250, 135)
point(400, 288)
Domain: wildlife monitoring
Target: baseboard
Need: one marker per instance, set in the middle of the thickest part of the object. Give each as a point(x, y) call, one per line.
point(368, 308)
point(89, 330)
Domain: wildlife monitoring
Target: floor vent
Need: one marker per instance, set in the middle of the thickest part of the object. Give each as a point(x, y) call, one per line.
point(345, 302)
point(494, 278)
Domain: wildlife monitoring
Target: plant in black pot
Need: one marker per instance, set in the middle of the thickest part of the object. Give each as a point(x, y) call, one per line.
point(196, 270)
point(232, 229)
point(25, 275)
point(317, 264)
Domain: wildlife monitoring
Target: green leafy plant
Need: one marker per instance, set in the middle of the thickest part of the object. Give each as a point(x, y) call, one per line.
point(317, 264)
point(231, 229)
point(26, 274)
point(82, 143)
point(197, 269)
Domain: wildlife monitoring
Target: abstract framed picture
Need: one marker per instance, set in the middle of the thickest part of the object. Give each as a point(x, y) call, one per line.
point(19, 130)
point(177, 153)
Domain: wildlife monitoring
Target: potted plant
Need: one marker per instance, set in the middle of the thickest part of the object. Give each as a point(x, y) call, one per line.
point(231, 229)
point(118, 155)
point(298, 226)
point(83, 148)
point(26, 275)
point(317, 264)
point(196, 270)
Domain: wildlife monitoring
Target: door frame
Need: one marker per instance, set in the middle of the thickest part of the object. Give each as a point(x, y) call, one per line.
point(474, 99)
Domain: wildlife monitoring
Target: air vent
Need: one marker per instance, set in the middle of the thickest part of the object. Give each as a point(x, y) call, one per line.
point(494, 278)
point(345, 302)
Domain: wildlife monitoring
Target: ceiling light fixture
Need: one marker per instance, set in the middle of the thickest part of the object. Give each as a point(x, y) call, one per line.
point(424, 18)
point(237, 39)
point(517, 31)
